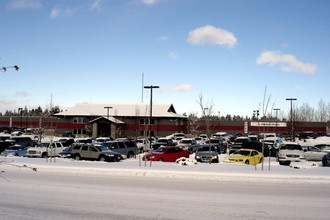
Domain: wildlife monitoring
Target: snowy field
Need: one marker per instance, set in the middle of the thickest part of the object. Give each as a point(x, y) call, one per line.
point(60, 188)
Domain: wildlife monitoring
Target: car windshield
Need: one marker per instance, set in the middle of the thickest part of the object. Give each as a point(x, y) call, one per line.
point(242, 152)
point(291, 147)
point(102, 147)
point(162, 140)
point(185, 141)
point(205, 149)
point(14, 148)
point(160, 150)
point(324, 148)
point(45, 144)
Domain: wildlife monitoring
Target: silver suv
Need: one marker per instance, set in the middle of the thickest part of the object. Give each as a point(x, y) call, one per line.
point(94, 152)
point(125, 147)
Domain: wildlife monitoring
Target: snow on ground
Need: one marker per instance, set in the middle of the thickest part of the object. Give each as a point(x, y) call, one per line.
point(270, 170)
point(297, 172)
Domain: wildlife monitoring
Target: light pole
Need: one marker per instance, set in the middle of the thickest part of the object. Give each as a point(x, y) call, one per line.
point(205, 121)
point(219, 120)
point(108, 108)
point(276, 110)
point(291, 118)
point(151, 87)
point(20, 113)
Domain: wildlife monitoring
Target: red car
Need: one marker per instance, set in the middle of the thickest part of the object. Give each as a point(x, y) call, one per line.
point(167, 154)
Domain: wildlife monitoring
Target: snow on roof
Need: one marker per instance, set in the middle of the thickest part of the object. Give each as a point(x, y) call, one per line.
point(141, 109)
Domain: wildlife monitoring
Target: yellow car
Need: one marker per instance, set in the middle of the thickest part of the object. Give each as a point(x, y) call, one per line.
point(246, 156)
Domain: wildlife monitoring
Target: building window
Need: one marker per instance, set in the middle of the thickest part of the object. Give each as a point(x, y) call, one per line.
point(78, 120)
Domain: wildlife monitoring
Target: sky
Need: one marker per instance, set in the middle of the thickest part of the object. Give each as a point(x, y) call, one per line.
point(231, 53)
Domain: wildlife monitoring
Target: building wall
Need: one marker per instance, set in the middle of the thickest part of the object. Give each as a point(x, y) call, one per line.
point(161, 127)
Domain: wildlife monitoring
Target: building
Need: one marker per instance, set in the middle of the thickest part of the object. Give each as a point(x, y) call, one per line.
point(124, 120)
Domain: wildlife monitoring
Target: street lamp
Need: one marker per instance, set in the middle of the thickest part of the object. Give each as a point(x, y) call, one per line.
point(108, 108)
point(291, 118)
point(20, 113)
point(276, 110)
point(150, 116)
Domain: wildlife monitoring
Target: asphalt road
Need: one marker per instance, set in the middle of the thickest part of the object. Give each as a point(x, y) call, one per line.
point(25, 194)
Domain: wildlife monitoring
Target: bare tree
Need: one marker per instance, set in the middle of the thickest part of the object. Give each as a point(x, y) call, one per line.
point(203, 106)
point(322, 111)
point(305, 113)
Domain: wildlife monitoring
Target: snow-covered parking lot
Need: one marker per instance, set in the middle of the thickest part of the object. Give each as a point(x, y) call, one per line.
point(37, 188)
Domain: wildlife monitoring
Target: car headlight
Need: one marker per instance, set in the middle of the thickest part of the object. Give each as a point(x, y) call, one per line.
point(281, 155)
point(198, 157)
point(110, 155)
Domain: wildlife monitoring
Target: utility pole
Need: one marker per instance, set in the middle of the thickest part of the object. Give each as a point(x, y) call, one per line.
point(291, 119)
point(150, 116)
point(108, 108)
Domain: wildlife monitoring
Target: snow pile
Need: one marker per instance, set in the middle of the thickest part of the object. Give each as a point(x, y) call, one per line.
point(185, 161)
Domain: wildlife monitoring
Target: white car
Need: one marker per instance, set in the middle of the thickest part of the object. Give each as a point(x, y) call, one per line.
point(290, 152)
point(45, 149)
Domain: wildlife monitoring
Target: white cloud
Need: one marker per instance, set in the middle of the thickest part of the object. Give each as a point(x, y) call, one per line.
point(163, 38)
point(22, 93)
point(149, 2)
point(24, 4)
point(173, 55)
point(182, 88)
point(58, 12)
point(211, 35)
point(7, 102)
point(97, 5)
point(288, 62)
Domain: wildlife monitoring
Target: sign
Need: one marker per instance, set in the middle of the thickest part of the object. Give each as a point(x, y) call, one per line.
point(246, 127)
point(268, 124)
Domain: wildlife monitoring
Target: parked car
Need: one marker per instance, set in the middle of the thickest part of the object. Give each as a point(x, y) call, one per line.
point(45, 149)
point(200, 140)
point(4, 145)
point(143, 144)
point(66, 152)
point(315, 154)
point(125, 147)
point(94, 152)
point(219, 144)
point(246, 156)
point(21, 140)
point(189, 143)
point(270, 149)
point(323, 147)
point(167, 154)
point(15, 150)
point(234, 147)
point(242, 140)
point(326, 160)
point(290, 152)
point(163, 142)
point(207, 154)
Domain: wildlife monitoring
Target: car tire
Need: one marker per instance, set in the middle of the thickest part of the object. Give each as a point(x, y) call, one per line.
point(247, 162)
point(102, 158)
point(77, 157)
point(160, 160)
point(44, 155)
point(130, 155)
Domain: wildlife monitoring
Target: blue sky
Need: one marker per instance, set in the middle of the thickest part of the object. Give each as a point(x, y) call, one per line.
point(228, 51)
